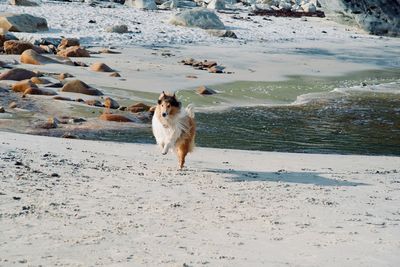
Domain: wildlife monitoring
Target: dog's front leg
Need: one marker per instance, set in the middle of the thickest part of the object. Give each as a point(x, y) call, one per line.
point(166, 147)
point(171, 141)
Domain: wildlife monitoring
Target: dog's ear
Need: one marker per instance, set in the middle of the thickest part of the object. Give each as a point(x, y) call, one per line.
point(159, 101)
point(162, 95)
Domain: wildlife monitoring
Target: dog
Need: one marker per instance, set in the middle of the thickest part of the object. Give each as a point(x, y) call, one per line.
point(174, 127)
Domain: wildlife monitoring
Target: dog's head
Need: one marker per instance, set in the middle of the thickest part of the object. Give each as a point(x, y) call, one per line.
point(168, 105)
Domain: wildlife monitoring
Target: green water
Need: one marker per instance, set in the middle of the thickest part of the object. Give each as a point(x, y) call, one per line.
point(353, 122)
point(268, 116)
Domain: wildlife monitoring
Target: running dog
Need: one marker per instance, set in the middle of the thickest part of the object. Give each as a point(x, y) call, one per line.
point(174, 127)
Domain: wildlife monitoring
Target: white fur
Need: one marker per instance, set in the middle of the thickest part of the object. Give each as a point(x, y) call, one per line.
point(169, 130)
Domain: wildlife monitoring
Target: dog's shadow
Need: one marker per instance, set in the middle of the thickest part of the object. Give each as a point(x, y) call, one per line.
point(285, 177)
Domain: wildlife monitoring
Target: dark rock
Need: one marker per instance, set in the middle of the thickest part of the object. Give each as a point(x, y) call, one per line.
point(110, 103)
point(138, 107)
point(203, 90)
point(94, 102)
point(17, 74)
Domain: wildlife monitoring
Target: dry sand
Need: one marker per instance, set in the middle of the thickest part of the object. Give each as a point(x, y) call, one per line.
point(87, 203)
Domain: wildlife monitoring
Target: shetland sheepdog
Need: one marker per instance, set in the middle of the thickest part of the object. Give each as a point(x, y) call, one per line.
point(174, 127)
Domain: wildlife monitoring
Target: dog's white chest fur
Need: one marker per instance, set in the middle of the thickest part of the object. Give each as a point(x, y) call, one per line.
point(165, 133)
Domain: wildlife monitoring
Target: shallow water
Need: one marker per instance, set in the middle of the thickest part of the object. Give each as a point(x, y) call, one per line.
point(302, 114)
point(345, 120)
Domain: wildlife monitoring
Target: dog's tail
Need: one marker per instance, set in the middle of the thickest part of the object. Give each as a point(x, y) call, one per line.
point(190, 111)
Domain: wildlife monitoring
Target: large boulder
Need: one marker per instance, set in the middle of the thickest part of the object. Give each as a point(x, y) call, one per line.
point(16, 47)
point(77, 86)
point(17, 74)
point(380, 17)
point(142, 4)
point(22, 3)
point(198, 17)
point(22, 23)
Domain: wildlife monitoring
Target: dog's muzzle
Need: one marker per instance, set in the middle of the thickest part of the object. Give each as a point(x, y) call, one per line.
point(164, 114)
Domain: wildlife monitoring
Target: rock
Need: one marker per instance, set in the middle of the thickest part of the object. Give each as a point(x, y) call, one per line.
point(62, 98)
point(23, 85)
point(16, 47)
point(115, 117)
point(74, 51)
point(2, 110)
point(110, 103)
point(6, 37)
point(48, 41)
point(77, 86)
point(115, 74)
point(64, 75)
point(55, 85)
point(49, 49)
point(51, 123)
point(108, 51)
point(204, 90)
point(284, 5)
point(100, 67)
point(80, 64)
point(22, 3)
point(37, 80)
point(69, 136)
point(31, 57)
point(198, 17)
point(93, 102)
point(139, 107)
point(216, 4)
point(13, 105)
point(118, 29)
point(17, 74)
point(68, 42)
point(309, 7)
point(222, 33)
point(22, 23)
point(208, 64)
point(142, 4)
point(380, 17)
point(38, 91)
point(216, 69)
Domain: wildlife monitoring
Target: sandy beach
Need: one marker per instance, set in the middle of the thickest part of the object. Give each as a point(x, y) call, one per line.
point(88, 203)
point(76, 202)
